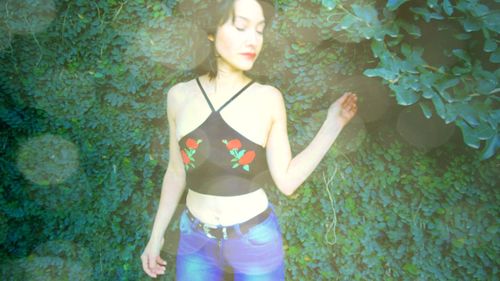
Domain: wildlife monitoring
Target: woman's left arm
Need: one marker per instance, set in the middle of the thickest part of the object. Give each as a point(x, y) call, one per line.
point(288, 173)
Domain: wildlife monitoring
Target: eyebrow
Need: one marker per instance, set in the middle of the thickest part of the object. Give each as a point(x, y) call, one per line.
point(262, 21)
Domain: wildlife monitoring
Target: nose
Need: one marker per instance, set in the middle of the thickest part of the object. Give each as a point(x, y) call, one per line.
point(252, 38)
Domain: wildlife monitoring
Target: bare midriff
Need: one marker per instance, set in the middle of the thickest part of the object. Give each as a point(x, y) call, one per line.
point(226, 210)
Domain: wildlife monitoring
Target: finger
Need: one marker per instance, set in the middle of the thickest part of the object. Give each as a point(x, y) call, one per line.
point(145, 266)
point(154, 267)
point(342, 98)
point(348, 98)
point(158, 266)
point(354, 108)
point(160, 260)
point(159, 269)
point(352, 99)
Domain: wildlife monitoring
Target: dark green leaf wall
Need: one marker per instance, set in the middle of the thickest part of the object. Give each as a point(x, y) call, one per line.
point(408, 192)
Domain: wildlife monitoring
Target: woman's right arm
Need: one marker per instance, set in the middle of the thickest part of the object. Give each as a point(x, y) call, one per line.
point(173, 185)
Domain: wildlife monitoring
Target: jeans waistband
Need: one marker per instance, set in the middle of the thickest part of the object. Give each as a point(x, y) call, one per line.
point(226, 232)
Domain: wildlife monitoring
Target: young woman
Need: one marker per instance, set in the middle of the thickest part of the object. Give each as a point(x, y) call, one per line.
point(226, 132)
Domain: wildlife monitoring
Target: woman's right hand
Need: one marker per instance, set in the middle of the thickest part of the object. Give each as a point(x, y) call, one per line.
point(152, 263)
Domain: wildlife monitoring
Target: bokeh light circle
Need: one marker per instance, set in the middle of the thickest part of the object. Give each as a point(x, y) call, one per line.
point(27, 16)
point(373, 97)
point(47, 159)
point(421, 132)
point(176, 42)
point(52, 261)
point(352, 135)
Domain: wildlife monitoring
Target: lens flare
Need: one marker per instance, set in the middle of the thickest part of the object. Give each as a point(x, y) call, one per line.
point(27, 16)
point(51, 261)
point(422, 132)
point(374, 97)
point(352, 136)
point(271, 60)
point(47, 159)
point(174, 42)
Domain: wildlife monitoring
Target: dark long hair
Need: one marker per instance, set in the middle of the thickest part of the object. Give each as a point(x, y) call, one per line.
point(216, 15)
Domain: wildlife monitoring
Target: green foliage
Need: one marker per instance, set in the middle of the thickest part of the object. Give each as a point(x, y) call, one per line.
point(464, 92)
point(85, 139)
point(401, 214)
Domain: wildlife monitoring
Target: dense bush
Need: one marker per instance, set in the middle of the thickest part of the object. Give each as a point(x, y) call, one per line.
point(84, 135)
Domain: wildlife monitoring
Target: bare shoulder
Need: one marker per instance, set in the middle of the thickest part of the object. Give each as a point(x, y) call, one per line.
point(269, 93)
point(182, 91)
point(175, 97)
point(175, 92)
point(274, 99)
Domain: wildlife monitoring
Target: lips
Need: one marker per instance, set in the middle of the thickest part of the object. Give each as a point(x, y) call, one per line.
point(249, 55)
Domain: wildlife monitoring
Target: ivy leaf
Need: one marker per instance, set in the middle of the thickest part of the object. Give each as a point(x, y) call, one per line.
point(495, 56)
point(479, 10)
point(406, 50)
point(469, 138)
point(432, 3)
point(411, 29)
point(426, 109)
point(377, 49)
point(365, 12)
point(381, 72)
point(447, 7)
point(491, 21)
point(441, 87)
point(462, 36)
point(458, 71)
point(411, 268)
point(451, 113)
point(461, 54)
point(428, 93)
point(347, 21)
point(329, 4)
point(394, 4)
point(490, 45)
point(468, 114)
point(471, 24)
point(490, 148)
point(406, 97)
point(426, 14)
point(439, 105)
point(484, 131)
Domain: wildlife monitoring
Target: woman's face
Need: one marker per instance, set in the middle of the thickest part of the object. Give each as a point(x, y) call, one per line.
point(239, 44)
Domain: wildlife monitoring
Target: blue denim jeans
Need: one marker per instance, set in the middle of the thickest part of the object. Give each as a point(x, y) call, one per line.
point(256, 255)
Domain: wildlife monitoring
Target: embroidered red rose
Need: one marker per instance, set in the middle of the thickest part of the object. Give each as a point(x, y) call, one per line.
point(233, 144)
point(185, 157)
point(240, 157)
point(191, 143)
point(247, 158)
point(189, 151)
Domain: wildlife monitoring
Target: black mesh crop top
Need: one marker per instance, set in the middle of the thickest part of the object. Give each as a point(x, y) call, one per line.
point(220, 161)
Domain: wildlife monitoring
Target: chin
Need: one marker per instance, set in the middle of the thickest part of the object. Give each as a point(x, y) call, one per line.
point(246, 67)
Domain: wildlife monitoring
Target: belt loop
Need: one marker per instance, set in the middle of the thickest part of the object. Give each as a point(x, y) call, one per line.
point(194, 220)
point(272, 207)
point(207, 231)
point(224, 232)
point(237, 229)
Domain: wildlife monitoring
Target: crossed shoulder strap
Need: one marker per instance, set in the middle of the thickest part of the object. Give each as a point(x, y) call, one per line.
point(227, 102)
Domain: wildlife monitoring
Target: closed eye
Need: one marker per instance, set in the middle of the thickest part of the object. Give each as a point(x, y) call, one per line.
point(242, 29)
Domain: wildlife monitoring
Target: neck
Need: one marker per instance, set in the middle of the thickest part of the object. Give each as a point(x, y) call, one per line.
point(227, 81)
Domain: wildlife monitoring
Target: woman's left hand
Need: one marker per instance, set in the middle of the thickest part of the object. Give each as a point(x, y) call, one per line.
point(344, 108)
